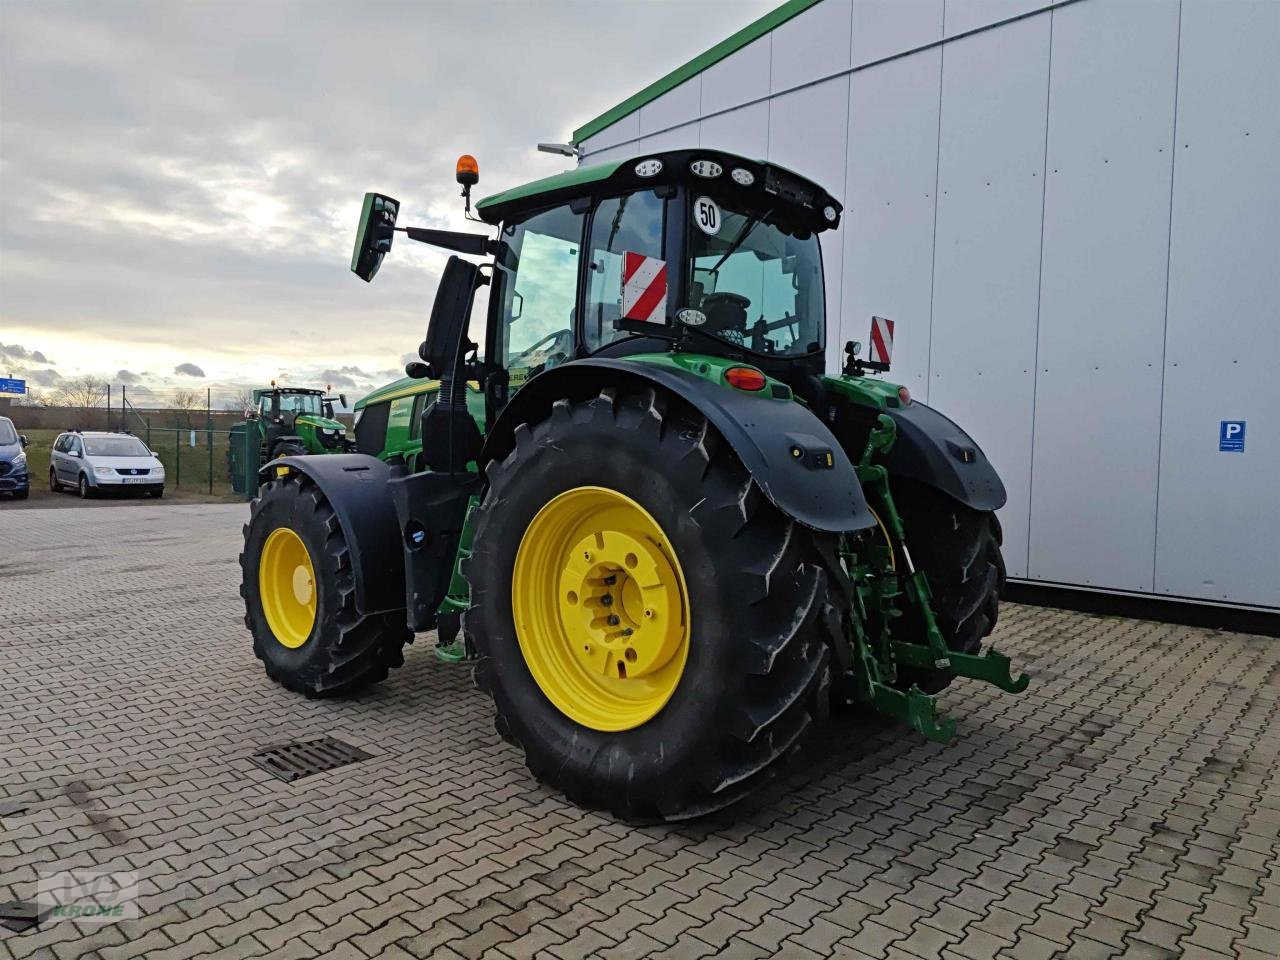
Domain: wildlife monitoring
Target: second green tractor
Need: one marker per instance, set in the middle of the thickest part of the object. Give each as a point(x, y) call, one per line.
point(630, 494)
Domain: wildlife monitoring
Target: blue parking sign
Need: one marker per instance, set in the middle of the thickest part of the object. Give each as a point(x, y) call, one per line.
point(1231, 436)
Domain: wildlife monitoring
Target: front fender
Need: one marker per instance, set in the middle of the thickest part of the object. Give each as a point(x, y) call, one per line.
point(356, 486)
point(792, 456)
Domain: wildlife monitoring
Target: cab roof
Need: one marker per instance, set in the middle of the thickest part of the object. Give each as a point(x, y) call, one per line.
point(404, 387)
point(770, 185)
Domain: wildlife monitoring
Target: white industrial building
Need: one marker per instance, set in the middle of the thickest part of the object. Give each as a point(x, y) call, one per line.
point(1072, 212)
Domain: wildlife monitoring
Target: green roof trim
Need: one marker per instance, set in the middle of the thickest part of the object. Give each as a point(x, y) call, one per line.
point(753, 31)
point(570, 178)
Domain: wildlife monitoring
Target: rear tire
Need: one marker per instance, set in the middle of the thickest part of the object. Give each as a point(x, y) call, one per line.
point(756, 671)
point(958, 549)
point(344, 651)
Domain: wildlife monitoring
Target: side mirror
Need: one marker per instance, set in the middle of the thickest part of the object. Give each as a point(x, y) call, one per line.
point(417, 369)
point(76, 454)
point(25, 441)
point(449, 317)
point(342, 399)
point(373, 238)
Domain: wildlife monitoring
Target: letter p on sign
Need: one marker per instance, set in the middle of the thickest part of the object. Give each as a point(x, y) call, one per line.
point(1231, 436)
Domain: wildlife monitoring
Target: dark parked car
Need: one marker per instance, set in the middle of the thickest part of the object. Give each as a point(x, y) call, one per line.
point(14, 478)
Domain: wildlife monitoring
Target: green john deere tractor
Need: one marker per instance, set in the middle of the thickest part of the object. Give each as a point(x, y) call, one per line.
point(670, 541)
point(292, 421)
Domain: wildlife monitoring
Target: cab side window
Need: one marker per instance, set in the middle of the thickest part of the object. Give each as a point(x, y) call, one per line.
point(620, 225)
point(415, 422)
point(539, 264)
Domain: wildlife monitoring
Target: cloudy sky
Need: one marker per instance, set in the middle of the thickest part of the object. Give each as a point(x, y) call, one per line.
point(180, 181)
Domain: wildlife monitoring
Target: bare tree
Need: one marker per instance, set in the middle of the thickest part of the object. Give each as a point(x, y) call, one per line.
point(34, 397)
point(240, 401)
point(187, 402)
point(85, 392)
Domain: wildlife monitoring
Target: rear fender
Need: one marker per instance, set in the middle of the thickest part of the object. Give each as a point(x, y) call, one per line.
point(934, 450)
point(927, 446)
point(793, 457)
point(356, 486)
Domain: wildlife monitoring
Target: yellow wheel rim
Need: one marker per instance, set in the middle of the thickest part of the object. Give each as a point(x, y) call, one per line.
point(601, 609)
point(287, 586)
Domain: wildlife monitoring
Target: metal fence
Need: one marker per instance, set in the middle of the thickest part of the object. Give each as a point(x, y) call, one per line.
point(195, 460)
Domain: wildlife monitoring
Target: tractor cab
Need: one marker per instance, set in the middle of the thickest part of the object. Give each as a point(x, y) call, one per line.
point(295, 420)
point(694, 251)
point(707, 251)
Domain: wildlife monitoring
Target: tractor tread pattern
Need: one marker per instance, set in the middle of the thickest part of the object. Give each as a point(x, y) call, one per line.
point(781, 667)
point(359, 650)
point(959, 552)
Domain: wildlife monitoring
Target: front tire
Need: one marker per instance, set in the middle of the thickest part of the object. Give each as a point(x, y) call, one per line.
point(22, 494)
point(86, 492)
point(958, 548)
point(54, 485)
point(755, 667)
point(299, 591)
point(288, 448)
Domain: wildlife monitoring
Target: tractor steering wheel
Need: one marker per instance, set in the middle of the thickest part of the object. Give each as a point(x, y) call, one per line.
point(560, 342)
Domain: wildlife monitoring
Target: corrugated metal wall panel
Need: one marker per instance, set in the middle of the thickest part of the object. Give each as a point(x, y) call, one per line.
point(811, 46)
point(678, 106)
point(744, 131)
point(809, 132)
point(889, 210)
point(987, 255)
point(885, 28)
point(1089, 513)
point(1219, 520)
point(625, 130)
point(965, 15)
point(741, 77)
point(678, 138)
point(1102, 294)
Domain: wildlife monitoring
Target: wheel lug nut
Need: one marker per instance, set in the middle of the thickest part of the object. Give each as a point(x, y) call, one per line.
point(613, 620)
point(607, 600)
point(610, 580)
point(627, 631)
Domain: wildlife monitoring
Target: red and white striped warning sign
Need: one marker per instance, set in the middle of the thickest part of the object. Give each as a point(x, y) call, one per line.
point(881, 340)
point(644, 288)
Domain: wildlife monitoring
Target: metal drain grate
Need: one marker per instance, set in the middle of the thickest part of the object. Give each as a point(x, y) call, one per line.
point(292, 761)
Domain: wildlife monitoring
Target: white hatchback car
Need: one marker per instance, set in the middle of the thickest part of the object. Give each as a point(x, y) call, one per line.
point(93, 462)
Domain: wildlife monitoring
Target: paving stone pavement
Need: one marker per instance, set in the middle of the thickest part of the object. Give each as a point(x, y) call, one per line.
point(1127, 805)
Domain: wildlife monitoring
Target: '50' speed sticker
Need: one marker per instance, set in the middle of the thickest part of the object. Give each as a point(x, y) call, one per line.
point(706, 215)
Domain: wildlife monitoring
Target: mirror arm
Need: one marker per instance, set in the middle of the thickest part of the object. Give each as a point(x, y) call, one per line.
point(473, 244)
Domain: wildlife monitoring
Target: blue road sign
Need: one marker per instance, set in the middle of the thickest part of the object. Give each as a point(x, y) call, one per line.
point(12, 386)
point(1231, 436)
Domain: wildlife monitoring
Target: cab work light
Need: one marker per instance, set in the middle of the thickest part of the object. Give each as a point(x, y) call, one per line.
point(706, 168)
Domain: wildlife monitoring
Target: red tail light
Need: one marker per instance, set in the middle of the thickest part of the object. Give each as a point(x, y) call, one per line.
point(745, 378)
